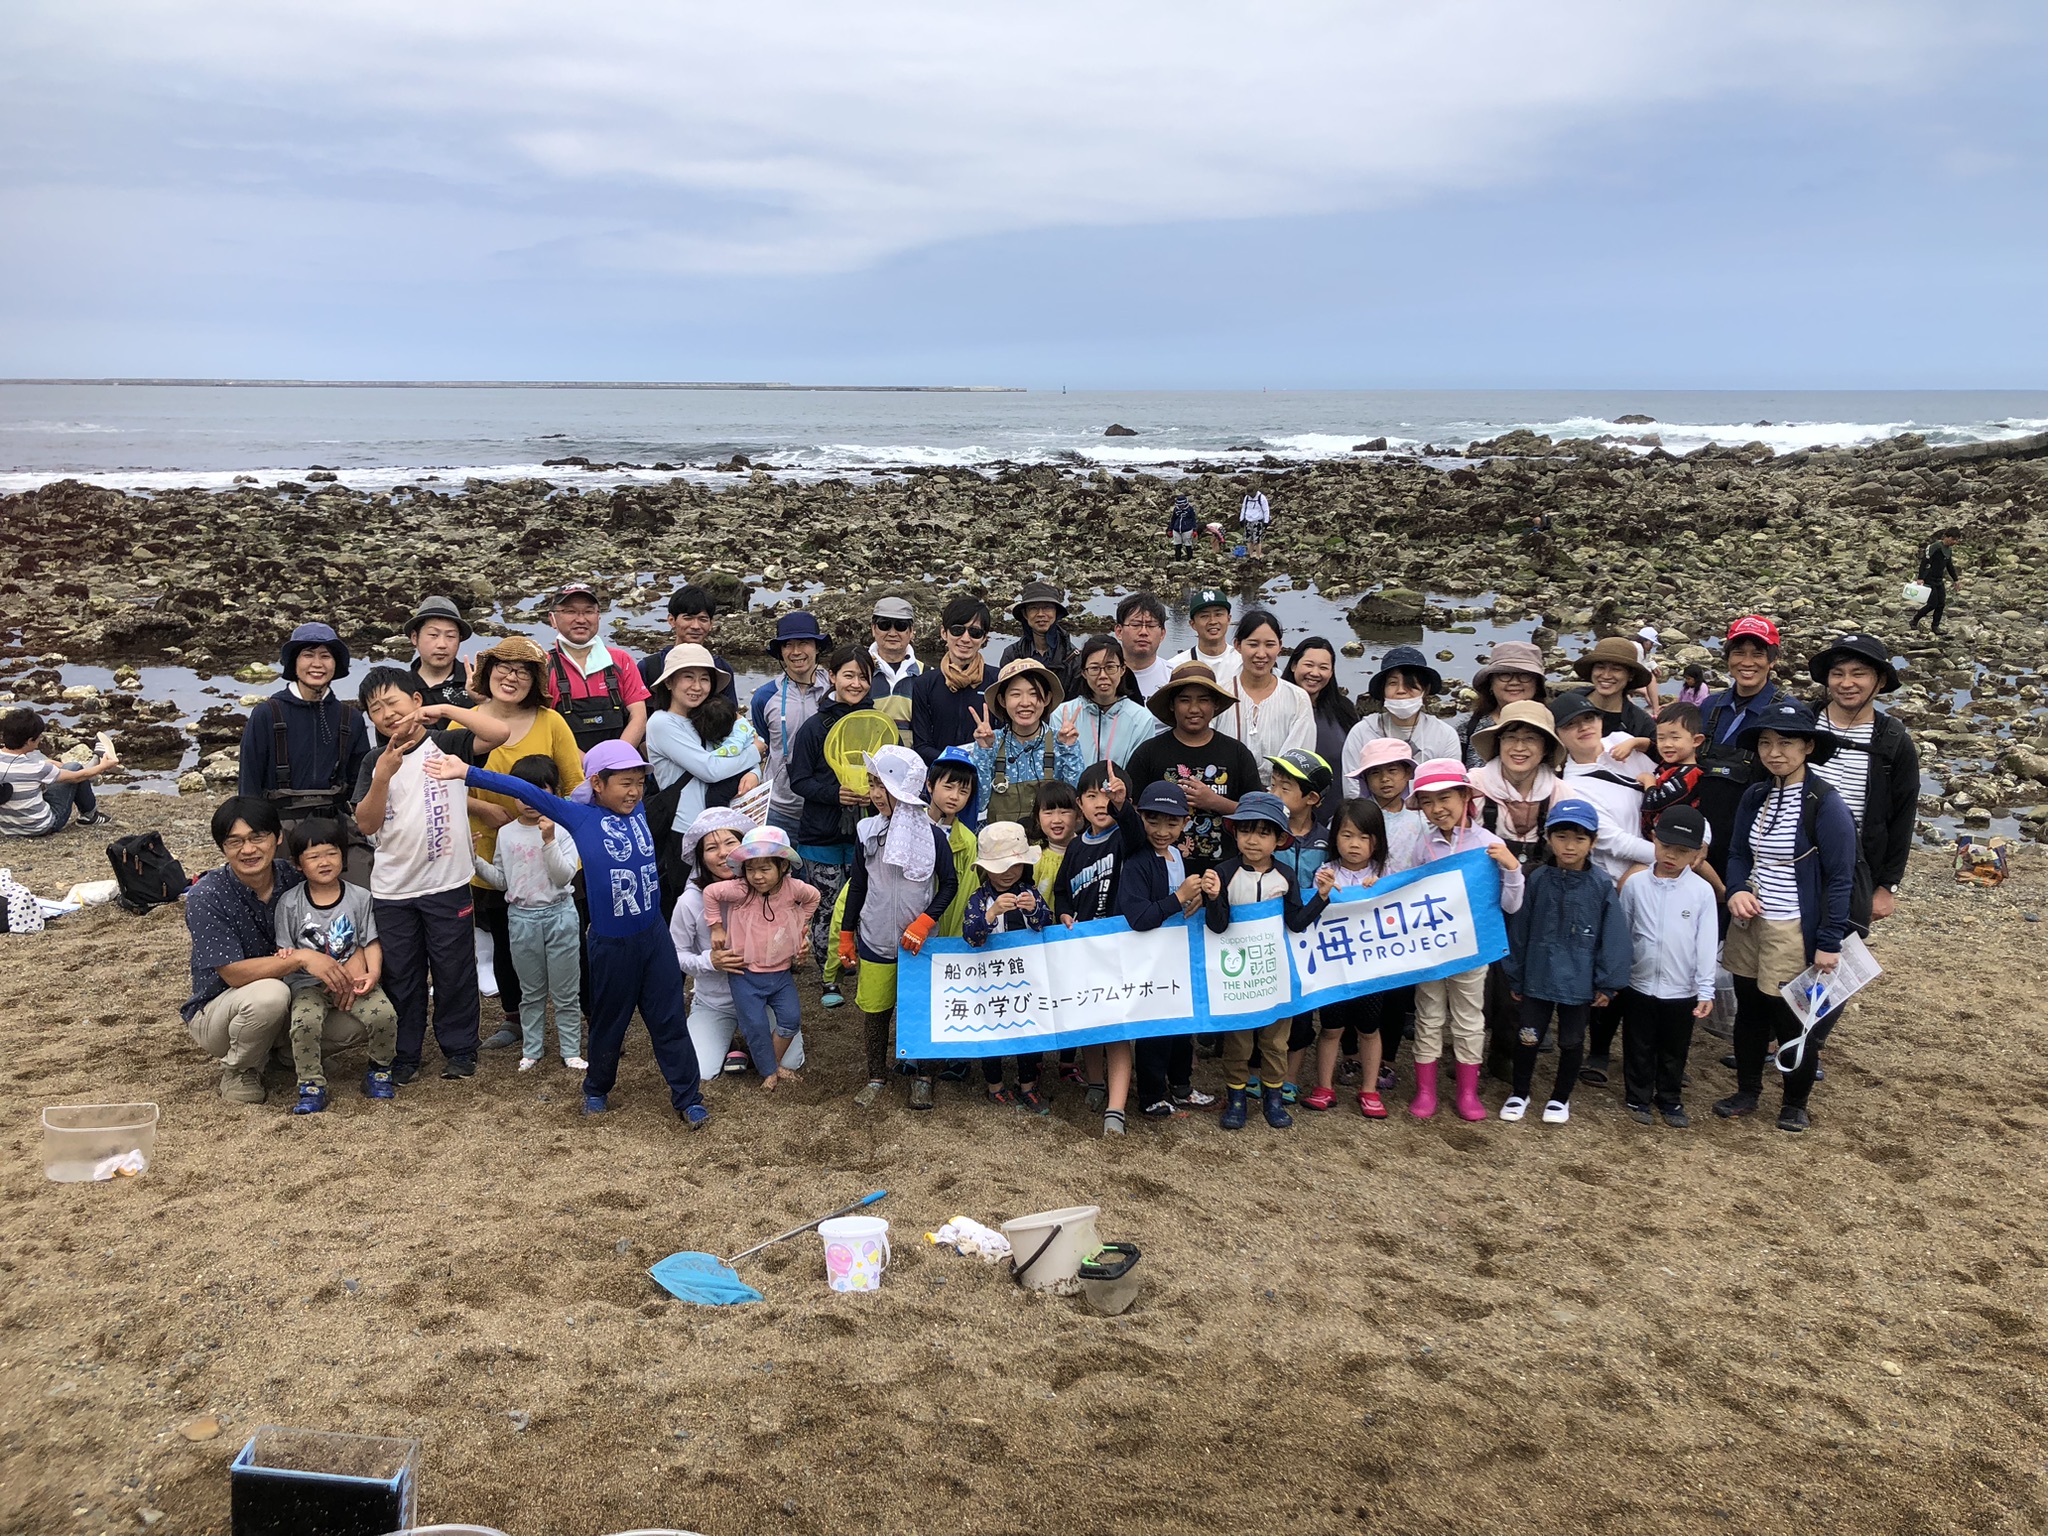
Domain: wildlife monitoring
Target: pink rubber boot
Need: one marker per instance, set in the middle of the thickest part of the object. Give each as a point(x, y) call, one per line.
point(1423, 1105)
point(1468, 1103)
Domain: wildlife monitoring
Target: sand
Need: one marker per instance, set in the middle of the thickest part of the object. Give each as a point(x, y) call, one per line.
point(1394, 1327)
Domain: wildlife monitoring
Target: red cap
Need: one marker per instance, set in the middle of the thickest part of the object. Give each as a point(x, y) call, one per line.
point(1756, 627)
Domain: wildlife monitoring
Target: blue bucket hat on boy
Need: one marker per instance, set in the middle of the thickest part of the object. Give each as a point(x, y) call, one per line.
point(800, 625)
point(1405, 658)
point(1261, 805)
point(1573, 813)
point(1162, 799)
point(311, 634)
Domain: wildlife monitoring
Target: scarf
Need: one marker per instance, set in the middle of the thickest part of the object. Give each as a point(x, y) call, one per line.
point(907, 841)
point(958, 677)
point(1520, 813)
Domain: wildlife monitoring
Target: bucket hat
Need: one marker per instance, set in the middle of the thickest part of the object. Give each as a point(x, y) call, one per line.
point(1856, 648)
point(1486, 742)
point(716, 818)
point(1405, 658)
point(1309, 769)
point(438, 608)
point(1004, 845)
point(1261, 805)
point(1511, 656)
point(1618, 652)
point(1573, 813)
point(901, 772)
point(1438, 773)
point(1163, 799)
point(1753, 626)
point(1189, 674)
point(312, 634)
point(688, 654)
point(513, 649)
point(1036, 592)
point(1384, 752)
point(801, 624)
point(1789, 717)
point(765, 843)
point(1023, 666)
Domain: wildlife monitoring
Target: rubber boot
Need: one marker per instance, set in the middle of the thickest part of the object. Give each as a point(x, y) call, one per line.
point(1468, 1103)
point(1278, 1118)
point(1423, 1105)
point(1236, 1109)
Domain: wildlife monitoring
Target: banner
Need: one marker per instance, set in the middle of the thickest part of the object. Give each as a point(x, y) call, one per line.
point(1102, 981)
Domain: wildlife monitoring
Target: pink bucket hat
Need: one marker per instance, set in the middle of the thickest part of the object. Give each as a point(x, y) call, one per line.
point(765, 843)
point(1382, 751)
point(1438, 773)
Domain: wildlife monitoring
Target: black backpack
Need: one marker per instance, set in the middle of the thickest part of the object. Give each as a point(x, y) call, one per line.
point(145, 871)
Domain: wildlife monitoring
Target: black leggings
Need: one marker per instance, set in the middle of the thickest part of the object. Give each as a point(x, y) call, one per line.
point(1935, 606)
point(1395, 1007)
point(1028, 1069)
point(1760, 1018)
point(1572, 1019)
point(1164, 1062)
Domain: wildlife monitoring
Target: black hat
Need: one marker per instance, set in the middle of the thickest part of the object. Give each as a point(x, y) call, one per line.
point(1036, 592)
point(1856, 648)
point(437, 608)
point(1681, 826)
point(1567, 707)
point(1405, 658)
point(1789, 717)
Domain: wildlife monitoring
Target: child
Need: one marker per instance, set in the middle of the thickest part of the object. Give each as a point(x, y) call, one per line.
point(1005, 901)
point(537, 871)
point(1360, 839)
point(1253, 876)
point(1057, 813)
point(1568, 953)
point(632, 963)
point(1670, 912)
point(437, 630)
point(1084, 891)
point(1152, 887)
point(327, 918)
point(1181, 523)
point(1386, 770)
point(1302, 780)
point(708, 844)
point(903, 882)
point(1457, 1004)
point(950, 787)
point(41, 794)
point(1013, 750)
point(766, 910)
point(1210, 769)
point(1680, 735)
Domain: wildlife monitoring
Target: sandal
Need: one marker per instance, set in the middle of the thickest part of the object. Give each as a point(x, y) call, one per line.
point(1318, 1098)
point(1372, 1106)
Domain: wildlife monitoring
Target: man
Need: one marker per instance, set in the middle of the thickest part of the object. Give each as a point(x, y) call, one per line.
point(1140, 626)
point(1256, 513)
point(1875, 767)
point(1727, 769)
point(437, 630)
point(896, 665)
point(692, 612)
point(945, 699)
point(1937, 569)
point(779, 709)
point(303, 749)
point(1209, 617)
point(1612, 670)
point(1212, 770)
point(596, 688)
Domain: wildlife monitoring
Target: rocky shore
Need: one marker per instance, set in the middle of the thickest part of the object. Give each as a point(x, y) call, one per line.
point(1584, 536)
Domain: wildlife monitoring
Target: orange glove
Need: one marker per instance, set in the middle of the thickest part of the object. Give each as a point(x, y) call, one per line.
point(847, 954)
point(920, 930)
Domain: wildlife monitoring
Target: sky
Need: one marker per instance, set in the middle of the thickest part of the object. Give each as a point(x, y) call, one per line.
point(1361, 194)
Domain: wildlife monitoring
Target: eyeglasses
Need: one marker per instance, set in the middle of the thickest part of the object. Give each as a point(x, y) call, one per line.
point(896, 624)
point(972, 631)
point(235, 843)
point(1141, 621)
point(1102, 666)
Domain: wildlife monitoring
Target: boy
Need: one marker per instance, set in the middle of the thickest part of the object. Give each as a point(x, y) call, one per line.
point(536, 869)
point(326, 916)
point(596, 687)
point(1209, 617)
point(437, 630)
point(1302, 779)
point(692, 612)
point(1039, 608)
point(1670, 912)
point(1680, 735)
point(1154, 886)
point(419, 886)
point(1210, 769)
point(782, 707)
point(40, 794)
point(1181, 523)
point(304, 749)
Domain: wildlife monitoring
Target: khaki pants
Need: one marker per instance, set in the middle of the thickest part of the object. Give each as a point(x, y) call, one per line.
point(319, 1027)
point(1771, 951)
point(238, 1027)
point(1460, 1002)
point(1264, 1050)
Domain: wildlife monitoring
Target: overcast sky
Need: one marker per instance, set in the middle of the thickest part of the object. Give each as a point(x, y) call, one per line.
point(1100, 194)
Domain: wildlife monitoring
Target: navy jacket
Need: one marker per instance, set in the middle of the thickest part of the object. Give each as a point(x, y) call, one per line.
point(1824, 853)
point(939, 717)
point(316, 737)
point(1298, 914)
point(1144, 899)
point(1570, 937)
point(825, 821)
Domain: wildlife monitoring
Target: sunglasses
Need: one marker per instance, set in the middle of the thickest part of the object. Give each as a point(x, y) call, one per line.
point(972, 631)
point(893, 624)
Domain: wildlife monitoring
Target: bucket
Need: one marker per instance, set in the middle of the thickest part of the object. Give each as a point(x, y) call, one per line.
point(1047, 1249)
point(856, 1252)
point(78, 1137)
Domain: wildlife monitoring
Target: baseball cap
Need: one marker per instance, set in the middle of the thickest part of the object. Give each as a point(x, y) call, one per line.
point(1572, 813)
point(1163, 799)
point(895, 608)
point(576, 589)
point(1754, 627)
point(1309, 769)
point(1681, 826)
point(1207, 597)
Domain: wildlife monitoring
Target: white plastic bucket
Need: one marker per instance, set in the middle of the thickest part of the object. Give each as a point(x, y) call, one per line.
point(1047, 1249)
point(856, 1252)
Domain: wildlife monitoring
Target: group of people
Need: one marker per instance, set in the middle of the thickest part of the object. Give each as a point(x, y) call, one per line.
point(635, 837)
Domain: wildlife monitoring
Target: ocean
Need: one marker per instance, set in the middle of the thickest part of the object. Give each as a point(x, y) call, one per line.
point(158, 436)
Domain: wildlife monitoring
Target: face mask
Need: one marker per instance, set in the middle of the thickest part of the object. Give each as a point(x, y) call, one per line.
point(1402, 709)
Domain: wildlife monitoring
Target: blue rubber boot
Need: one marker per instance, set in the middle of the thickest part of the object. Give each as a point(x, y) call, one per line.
point(377, 1083)
point(1276, 1112)
point(1236, 1109)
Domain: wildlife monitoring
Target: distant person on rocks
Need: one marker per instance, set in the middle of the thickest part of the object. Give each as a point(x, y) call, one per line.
point(1256, 513)
point(1140, 627)
point(945, 699)
point(1181, 524)
point(437, 630)
point(1404, 685)
point(303, 749)
point(692, 615)
point(780, 708)
point(1312, 667)
point(1209, 616)
point(596, 687)
point(894, 626)
point(1937, 570)
point(40, 795)
point(1874, 767)
point(1039, 608)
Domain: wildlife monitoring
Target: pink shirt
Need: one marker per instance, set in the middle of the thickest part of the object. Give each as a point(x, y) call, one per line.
point(1467, 839)
point(768, 934)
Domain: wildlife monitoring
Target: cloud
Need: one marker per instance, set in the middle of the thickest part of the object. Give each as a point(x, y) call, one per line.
point(783, 138)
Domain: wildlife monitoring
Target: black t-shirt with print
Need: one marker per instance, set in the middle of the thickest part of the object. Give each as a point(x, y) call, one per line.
point(1222, 763)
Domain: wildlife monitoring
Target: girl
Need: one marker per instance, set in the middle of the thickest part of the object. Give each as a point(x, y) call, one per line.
point(1057, 818)
point(1361, 842)
point(1112, 721)
point(1694, 690)
point(1312, 667)
point(1513, 674)
point(1013, 749)
point(766, 910)
point(902, 884)
point(535, 869)
point(1570, 951)
point(1270, 715)
point(1007, 902)
point(1386, 769)
point(697, 737)
point(708, 844)
point(825, 837)
point(632, 964)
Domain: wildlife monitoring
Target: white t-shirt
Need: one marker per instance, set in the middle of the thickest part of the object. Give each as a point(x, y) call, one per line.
point(423, 847)
point(1153, 678)
point(1226, 667)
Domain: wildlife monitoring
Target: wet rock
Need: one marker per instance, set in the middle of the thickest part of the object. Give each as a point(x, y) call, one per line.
point(1374, 445)
point(1634, 419)
point(1388, 607)
point(1118, 429)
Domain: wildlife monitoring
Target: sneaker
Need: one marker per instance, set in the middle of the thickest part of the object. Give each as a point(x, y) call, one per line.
point(1031, 1099)
point(1291, 1094)
point(1318, 1099)
point(459, 1066)
point(865, 1099)
point(1162, 1110)
point(921, 1093)
point(575, 1063)
point(955, 1071)
point(595, 1103)
point(312, 1099)
point(1097, 1097)
point(832, 997)
point(1642, 1114)
point(1793, 1118)
point(999, 1094)
point(1735, 1106)
point(528, 1063)
point(93, 818)
point(405, 1072)
point(1349, 1070)
point(503, 1039)
point(1190, 1097)
point(736, 1062)
point(1514, 1107)
point(696, 1117)
point(1556, 1113)
point(1676, 1117)
point(242, 1085)
point(1372, 1106)
point(1594, 1071)
point(1384, 1083)
point(377, 1084)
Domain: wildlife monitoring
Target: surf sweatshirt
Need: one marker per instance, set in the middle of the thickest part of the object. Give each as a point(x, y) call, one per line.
point(619, 866)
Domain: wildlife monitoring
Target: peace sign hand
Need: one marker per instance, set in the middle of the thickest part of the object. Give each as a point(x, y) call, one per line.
point(984, 733)
point(1070, 731)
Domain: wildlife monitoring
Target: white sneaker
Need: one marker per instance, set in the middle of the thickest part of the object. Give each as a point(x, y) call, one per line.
point(1555, 1113)
point(575, 1063)
point(1514, 1109)
point(528, 1063)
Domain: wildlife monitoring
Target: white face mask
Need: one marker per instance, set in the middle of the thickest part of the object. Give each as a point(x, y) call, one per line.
point(1402, 709)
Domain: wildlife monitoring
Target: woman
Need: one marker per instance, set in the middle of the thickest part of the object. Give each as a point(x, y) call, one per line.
point(1312, 667)
point(1109, 716)
point(707, 844)
point(1270, 715)
point(1403, 687)
point(1519, 755)
point(1791, 875)
point(1513, 674)
point(508, 679)
point(825, 839)
point(697, 738)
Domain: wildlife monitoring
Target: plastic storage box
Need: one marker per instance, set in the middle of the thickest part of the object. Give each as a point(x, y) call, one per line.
point(309, 1482)
point(76, 1137)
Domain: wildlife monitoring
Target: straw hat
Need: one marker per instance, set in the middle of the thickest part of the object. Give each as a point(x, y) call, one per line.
point(1023, 666)
point(1189, 674)
point(1004, 845)
point(517, 649)
point(688, 655)
point(1619, 652)
point(1522, 712)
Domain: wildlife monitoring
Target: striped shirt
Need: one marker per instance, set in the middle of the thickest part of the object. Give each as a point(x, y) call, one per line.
point(1771, 839)
point(27, 813)
point(1849, 769)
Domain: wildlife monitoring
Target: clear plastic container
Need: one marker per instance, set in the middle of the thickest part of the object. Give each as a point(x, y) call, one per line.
point(312, 1482)
point(78, 1137)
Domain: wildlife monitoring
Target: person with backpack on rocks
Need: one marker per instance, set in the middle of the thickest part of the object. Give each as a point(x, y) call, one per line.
point(1937, 570)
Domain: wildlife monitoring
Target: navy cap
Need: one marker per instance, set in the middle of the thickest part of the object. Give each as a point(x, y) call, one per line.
point(1163, 799)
